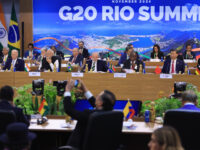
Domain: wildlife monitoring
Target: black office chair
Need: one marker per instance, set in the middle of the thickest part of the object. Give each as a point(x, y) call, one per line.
point(103, 131)
point(6, 117)
point(187, 123)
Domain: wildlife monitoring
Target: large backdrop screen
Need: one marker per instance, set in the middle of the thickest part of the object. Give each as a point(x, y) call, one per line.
point(109, 25)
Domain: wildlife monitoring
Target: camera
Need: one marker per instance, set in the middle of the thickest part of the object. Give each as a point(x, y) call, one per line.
point(38, 87)
point(76, 83)
point(60, 86)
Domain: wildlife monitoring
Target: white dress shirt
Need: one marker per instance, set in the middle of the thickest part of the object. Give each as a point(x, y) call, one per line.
point(174, 66)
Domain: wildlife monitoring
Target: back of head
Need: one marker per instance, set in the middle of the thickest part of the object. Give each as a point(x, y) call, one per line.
point(6, 93)
point(108, 99)
point(168, 138)
point(189, 96)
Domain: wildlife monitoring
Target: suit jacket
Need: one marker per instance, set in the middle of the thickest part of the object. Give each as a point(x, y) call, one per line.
point(101, 65)
point(19, 65)
point(127, 65)
point(20, 117)
point(191, 107)
point(85, 53)
point(77, 136)
point(79, 59)
point(160, 55)
point(59, 53)
point(46, 66)
point(180, 66)
point(35, 54)
point(1, 59)
point(122, 59)
point(186, 57)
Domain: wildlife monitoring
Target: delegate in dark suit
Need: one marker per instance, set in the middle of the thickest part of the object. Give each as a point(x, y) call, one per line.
point(186, 56)
point(35, 54)
point(79, 59)
point(61, 54)
point(180, 66)
point(2, 59)
point(19, 65)
point(159, 55)
point(77, 136)
point(128, 65)
point(85, 52)
point(20, 117)
point(101, 65)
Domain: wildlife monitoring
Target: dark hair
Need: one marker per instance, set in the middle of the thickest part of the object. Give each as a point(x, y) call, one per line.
point(127, 48)
point(189, 96)
point(31, 44)
point(81, 42)
point(6, 93)
point(188, 45)
point(108, 99)
point(173, 50)
point(156, 45)
point(130, 44)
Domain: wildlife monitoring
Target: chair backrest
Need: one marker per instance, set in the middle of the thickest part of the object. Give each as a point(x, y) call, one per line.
point(187, 123)
point(6, 117)
point(103, 131)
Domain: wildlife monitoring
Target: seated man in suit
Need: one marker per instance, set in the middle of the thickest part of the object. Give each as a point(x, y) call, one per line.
point(5, 56)
point(173, 65)
point(18, 64)
point(96, 65)
point(188, 54)
point(189, 100)
point(42, 55)
point(49, 61)
point(132, 63)
point(57, 53)
point(30, 53)
point(82, 50)
point(103, 102)
point(76, 58)
point(6, 103)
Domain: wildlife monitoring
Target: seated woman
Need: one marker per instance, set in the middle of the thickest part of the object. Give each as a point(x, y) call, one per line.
point(157, 54)
point(132, 63)
point(188, 54)
point(165, 138)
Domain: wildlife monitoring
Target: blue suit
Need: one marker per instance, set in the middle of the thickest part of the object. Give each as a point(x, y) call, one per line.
point(180, 66)
point(79, 59)
point(122, 59)
point(35, 54)
point(19, 65)
point(190, 107)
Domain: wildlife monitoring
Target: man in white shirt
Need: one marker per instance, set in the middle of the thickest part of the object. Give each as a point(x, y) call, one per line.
point(49, 62)
point(96, 65)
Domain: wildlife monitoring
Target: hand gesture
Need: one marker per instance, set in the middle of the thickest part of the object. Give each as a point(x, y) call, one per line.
point(49, 60)
point(69, 85)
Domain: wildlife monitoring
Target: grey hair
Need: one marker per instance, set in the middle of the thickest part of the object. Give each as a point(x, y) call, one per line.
point(189, 96)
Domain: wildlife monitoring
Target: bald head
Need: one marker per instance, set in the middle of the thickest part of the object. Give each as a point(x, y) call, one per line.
point(14, 54)
point(5, 50)
point(75, 52)
point(49, 53)
point(95, 56)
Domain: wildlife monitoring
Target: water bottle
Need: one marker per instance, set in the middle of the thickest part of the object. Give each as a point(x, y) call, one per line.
point(144, 71)
point(161, 59)
point(147, 116)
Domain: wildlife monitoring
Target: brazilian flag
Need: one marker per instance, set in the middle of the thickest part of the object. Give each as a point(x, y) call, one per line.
point(13, 32)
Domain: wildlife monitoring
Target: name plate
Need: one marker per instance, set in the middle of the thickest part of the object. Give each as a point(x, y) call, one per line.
point(34, 74)
point(119, 75)
point(166, 76)
point(77, 74)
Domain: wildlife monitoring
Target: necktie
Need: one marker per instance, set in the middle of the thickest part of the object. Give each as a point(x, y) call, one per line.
point(172, 66)
point(93, 66)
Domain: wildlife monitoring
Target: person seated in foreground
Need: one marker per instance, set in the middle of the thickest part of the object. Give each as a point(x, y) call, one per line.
point(17, 137)
point(6, 103)
point(173, 65)
point(15, 62)
point(165, 138)
point(189, 101)
point(157, 54)
point(76, 58)
point(103, 102)
point(132, 63)
point(96, 65)
point(188, 54)
point(49, 62)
